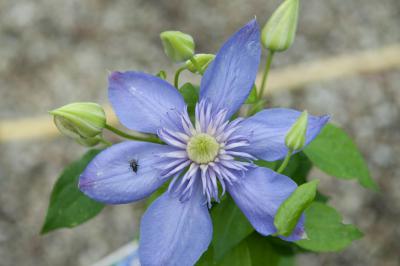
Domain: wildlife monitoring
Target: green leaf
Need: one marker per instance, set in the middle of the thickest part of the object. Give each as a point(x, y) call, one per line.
point(238, 256)
point(190, 94)
point(298, 168)
point(291, 209)
point(325, 230)
point(207, 259)
point(156, 194)
point(336, 154)
point(69, 207)
point(266, 164)
point(253, 97)
point(286, 261)
point(262, 252)
point(230, 227)
point(254, 250)
point(321, 197)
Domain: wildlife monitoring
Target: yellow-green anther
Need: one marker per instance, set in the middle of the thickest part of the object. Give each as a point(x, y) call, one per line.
point(178, 46)
point(279, 32)
point(202, 148)
point(296, 137)
point(203, 61)
point(80, 120)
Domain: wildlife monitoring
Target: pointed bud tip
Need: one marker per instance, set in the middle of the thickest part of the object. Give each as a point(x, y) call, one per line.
point(279, 32)
point(296, 137)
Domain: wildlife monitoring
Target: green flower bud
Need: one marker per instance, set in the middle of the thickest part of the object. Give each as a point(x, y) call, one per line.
point(80, 120)
point(89, 142)
point(296, 137)
point(278, 34)
point(162, 74)
point(178, 46)
point(203, 61)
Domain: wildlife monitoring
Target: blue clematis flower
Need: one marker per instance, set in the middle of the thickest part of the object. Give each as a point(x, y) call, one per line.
point(176, 229)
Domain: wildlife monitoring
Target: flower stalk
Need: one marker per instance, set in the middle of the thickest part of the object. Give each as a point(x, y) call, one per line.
point(177, 74)
point(285, 162)
point(131, 137)
point(268, 63)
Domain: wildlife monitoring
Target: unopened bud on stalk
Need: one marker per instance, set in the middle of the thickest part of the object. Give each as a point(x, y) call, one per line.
point(162, 74)
point(203, 60)
point(296, 137)
point(80, 121)
point(178, 46)
point(279, 32)
point(89, 142)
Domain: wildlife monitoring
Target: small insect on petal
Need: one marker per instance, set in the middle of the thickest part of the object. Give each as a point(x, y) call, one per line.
point(134, 165)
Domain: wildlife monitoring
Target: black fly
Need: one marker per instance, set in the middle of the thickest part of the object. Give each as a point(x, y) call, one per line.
point(134, 165)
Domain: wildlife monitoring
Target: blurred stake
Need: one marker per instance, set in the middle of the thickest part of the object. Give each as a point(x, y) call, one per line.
point(288, 78)
point(340, 66)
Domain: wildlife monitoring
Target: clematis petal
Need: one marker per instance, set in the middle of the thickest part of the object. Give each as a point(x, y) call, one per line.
point(267, 129)
point(175, 233)
point(229, 78)
point(123, 173)
point(259, 194)
point(144, 102)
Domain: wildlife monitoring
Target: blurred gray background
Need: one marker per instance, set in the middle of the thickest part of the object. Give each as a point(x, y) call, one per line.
point(56, 52)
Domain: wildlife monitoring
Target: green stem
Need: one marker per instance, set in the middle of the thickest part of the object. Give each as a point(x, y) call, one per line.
point(285, 162)
point(176, 79)
point(131, 137)
point(196, 65)
point(255, 107)
point(268, 63)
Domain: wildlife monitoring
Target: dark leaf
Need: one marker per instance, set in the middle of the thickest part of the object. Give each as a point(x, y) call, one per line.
point(325, 230)
point(230, 227)
point(190, 94)
point(68, 206)
point(335, 153)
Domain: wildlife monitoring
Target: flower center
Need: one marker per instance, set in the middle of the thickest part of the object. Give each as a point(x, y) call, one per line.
point(202, 148)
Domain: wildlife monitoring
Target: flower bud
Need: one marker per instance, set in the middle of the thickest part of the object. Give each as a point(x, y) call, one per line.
point(162, 74)
point(203, 61)
point(89, 142)
point(278, 34)
point(178, 46)
point(296, 137)
point(80, 120)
